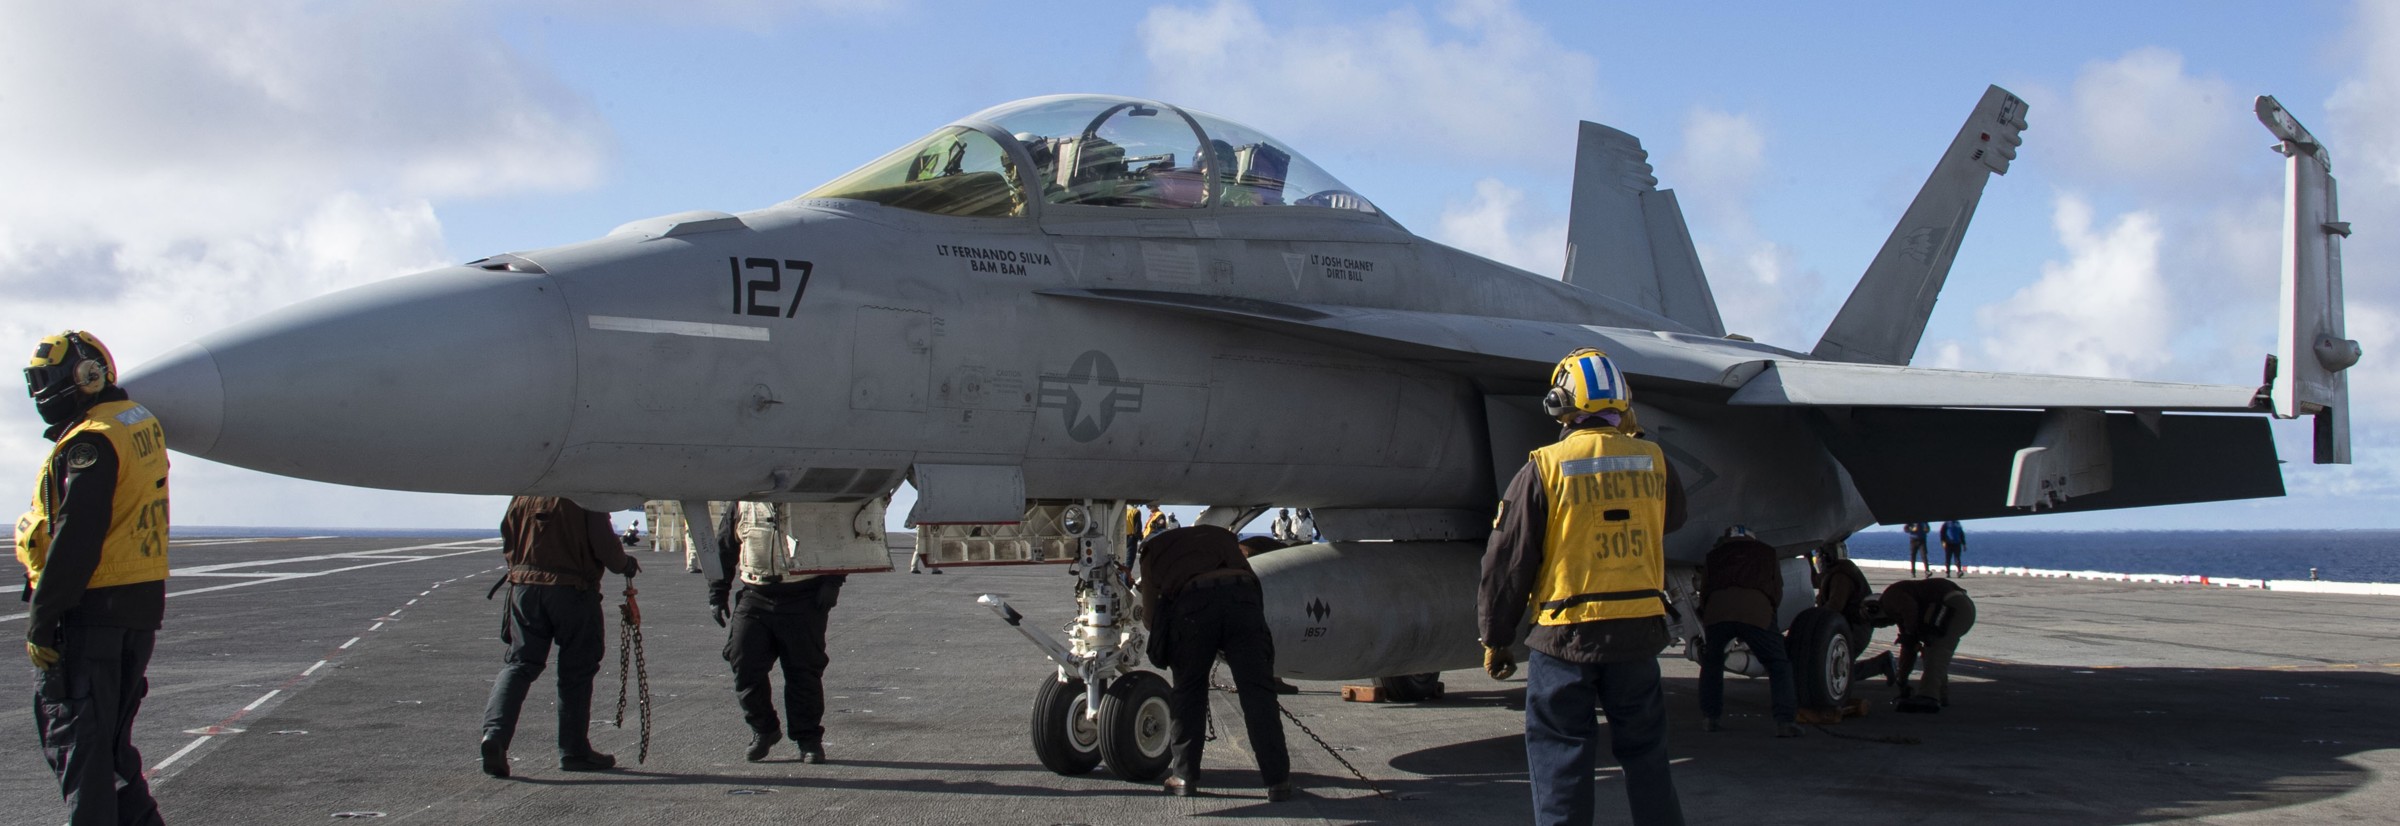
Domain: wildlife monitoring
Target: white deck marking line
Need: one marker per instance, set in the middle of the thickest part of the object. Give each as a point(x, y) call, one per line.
point(274, 578)
point(254, 704)
point(395, 612)
point(179, 753)
point(346, 646)
point(227, 566)
point(313, 669)
point(412, 602)
point(677, 328)
point(376, 627)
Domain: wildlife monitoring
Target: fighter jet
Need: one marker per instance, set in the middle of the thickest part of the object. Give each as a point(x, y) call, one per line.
point(1058, 306)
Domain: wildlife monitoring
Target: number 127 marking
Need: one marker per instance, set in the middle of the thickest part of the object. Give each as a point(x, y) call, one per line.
point(746, 291)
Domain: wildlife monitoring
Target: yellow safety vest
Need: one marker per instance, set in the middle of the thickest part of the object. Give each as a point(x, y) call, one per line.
point(1605, 555)
point(135, 549)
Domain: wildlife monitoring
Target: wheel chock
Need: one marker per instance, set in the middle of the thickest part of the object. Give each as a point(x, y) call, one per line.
point(1362, 694)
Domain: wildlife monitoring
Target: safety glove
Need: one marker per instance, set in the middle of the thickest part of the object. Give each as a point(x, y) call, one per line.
point(717, 598)
point(1498, 663)
point(43, 656)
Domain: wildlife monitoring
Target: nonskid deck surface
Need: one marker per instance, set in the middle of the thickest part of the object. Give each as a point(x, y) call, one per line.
point(2086, 702)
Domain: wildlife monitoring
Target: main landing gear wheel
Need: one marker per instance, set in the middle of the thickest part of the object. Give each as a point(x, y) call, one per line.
point(1820, 647)
point(1412, 688)
point(1066, 739)
point(1135, 724)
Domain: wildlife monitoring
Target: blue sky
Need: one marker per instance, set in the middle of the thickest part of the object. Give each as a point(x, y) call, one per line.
point(204, 162)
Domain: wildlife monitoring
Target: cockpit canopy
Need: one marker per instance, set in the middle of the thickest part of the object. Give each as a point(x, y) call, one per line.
point(1092, 150)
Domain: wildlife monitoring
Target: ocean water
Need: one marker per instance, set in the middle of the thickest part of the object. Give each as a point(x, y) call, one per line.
point(2338, 556)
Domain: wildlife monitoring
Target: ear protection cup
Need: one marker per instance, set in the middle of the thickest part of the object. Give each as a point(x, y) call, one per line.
point(93, 370)
point(1558, 402)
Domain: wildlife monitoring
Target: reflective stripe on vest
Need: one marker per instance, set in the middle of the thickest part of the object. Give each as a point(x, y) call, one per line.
point(135, 549)
point(1604, 556)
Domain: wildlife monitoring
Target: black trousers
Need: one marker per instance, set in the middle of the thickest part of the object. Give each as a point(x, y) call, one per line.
point(754, 643)
point(83, 707)
point(1230, 620)
point(540, 616)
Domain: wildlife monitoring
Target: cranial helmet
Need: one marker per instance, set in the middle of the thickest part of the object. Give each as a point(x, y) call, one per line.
point(1585, 382)
point(66, 371)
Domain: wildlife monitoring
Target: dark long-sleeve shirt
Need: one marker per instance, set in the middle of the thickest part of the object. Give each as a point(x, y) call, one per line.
point(1741, 583)
point(553, 541)
point(1173, 560)
point(82, 510)
point(1514, 558)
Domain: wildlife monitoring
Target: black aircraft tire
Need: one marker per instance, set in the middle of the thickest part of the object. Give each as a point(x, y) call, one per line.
point(1064, 739)
point(1412, 688)
point(1135, 725)
point(1819, 643)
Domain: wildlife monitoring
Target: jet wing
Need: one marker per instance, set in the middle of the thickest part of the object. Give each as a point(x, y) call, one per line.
point(1757, 374)
point(1920, 444)
point(1838, 384)
point(1494, 350)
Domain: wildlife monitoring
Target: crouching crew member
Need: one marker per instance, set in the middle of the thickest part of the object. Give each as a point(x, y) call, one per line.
point(1200, 599)
point(1741, 589)
point(780, 615)
point(1579, 541)
point(94, 548)
point(558, 554)
point(1932, 614)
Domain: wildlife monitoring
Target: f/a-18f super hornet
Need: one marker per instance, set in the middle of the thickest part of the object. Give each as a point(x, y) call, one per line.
point(1059, 306)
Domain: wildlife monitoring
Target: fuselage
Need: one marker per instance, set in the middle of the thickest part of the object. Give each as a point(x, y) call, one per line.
point(816, 350)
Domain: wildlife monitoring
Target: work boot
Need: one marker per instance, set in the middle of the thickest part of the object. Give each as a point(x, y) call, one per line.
point(1710, 724)
point(1787, 729)
point(1180, 787)
point(760, 744)
point(812, 752)
point(1280, 792)
point(1282, 687)
point(590, 761)
point(495, 756)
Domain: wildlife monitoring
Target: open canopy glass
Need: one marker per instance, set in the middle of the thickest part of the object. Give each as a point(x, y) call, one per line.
point(1093, 150)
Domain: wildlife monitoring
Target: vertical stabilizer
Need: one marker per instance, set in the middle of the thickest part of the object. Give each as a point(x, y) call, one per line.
point(2311, 350)
point(1885, 317)
point(1626, 238)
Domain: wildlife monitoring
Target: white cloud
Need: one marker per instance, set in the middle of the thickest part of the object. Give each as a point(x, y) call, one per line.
point(1761, 291)
point(2142, 120)
point(177, 168)
point(2103, 312)
point(1465, 88)
point(1498, 225)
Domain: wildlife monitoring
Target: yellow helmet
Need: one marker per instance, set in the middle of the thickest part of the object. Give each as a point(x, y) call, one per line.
point(66, 369)
point(1585, 382)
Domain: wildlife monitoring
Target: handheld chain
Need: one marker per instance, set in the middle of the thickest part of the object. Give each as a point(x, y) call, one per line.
point(632, 667)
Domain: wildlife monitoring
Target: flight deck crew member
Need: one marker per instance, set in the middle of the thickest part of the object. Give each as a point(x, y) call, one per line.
point(1741, 590)
point(779, 616)
point(1199, 592)
point(1916, 547)
point(1932, 614)
point(1954, 549)
point(558, 554)
point(1842, 588)
point(1579, 543)
point(94, 548)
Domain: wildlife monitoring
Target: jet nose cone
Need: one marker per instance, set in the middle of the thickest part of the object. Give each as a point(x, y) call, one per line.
point(188, 396)
point(455, 380)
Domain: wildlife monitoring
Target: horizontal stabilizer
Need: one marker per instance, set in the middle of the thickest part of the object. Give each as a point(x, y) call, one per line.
point(1884, 318)
point(1626, 238)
